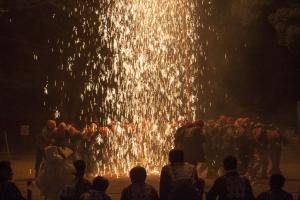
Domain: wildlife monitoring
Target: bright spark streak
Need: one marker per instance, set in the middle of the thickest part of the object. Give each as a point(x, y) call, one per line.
point(144, 72)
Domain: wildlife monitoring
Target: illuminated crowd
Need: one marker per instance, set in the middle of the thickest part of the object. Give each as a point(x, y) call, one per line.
point(253, 143)
point(234, 151)
point(87, 144)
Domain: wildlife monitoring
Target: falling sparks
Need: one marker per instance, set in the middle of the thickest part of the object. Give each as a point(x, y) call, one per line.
point(143, 64)
point(56, 114)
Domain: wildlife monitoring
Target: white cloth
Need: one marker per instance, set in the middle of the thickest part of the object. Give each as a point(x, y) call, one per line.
point(56, 174)
point(67, 152)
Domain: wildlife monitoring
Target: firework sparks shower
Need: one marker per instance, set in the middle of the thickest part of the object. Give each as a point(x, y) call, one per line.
point(141, 63)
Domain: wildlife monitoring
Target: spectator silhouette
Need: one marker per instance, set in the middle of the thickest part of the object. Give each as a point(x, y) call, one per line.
point(8, 190)
point(276, 192)
point(98, 192)
point(230, 186)
point(81, 185)
point(179, 180)
point(139, 190)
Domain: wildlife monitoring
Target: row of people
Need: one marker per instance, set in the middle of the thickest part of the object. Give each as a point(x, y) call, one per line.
point(178, 180)
point(205, 142)
point(81, 143)
point(254, 144)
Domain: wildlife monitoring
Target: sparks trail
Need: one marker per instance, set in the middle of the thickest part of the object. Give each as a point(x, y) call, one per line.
point(139, 62)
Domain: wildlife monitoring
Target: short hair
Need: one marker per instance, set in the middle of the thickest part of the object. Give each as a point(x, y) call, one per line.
point(176, 156)
point(80, 167)
point(5, 170)
point(230, 163)
point(100, 183)
point(277, 181)
point(5, 165)
point(138, 174)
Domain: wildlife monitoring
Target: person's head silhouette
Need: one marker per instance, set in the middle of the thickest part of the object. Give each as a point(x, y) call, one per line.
point(138, 174)
point(230, 163)
point(5, 171)
point(176, 156)
point(100, 183)
point(277, 182)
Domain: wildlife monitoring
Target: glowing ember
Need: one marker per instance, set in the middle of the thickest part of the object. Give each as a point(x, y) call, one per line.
point(144, 63)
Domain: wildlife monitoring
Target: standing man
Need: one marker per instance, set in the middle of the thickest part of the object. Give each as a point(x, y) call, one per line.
point(276, 140)
point(179, 135)
point(88, 147)
point(260, 162)
point(44, 139)
point(262, 144)
point(245, 146)
point(61, 135)
point(193, 145)
point(179, 180)
point(230, 186)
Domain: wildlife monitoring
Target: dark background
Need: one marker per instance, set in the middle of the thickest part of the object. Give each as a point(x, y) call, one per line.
point(259, 76)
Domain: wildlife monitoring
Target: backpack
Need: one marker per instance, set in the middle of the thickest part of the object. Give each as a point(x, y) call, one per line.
point(275, 196)
point(141, 192)
point(183, 187)
point(236, 187)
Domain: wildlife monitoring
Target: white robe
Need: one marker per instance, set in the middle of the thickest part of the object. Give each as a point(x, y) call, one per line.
point(56, 174)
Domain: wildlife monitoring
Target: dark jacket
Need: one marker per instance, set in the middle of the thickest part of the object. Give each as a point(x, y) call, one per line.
point(275, 195)
point(80, 187)
point(179, 135)
point(137, 191)
point(229, 187)
point(95, 195)
point(193, 145)
point(179, 171)
point(9, 191)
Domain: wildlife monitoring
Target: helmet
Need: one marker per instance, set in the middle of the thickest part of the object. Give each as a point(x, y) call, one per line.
point(257, 125)
point(238, 122)
point(51, 124)
point(61, 127)
point(222, 117)
point(72, 130)
point(246, 121)
point(272, 134)
point(93, 127)
point(104, 131)
point(199, 123)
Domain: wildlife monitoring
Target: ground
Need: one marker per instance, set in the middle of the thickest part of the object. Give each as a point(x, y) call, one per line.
point(23, 166)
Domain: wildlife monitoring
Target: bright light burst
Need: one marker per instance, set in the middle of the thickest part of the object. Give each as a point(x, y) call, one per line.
point(142, 65)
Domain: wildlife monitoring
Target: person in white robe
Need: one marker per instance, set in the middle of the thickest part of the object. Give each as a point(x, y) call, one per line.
point(56, 175)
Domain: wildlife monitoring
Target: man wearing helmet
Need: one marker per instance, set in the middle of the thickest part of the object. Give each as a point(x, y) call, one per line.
point(193, 144)
point(61, 135)
point(44, 139)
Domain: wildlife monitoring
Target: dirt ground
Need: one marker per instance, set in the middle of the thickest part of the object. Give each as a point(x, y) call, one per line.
point(23, 166)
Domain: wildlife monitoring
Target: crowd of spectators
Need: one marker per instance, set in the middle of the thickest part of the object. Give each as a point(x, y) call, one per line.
point(178, 181)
